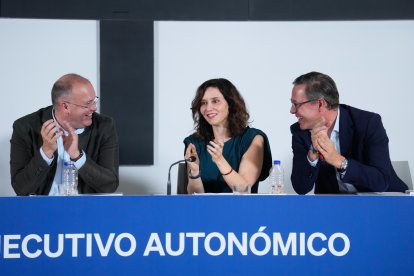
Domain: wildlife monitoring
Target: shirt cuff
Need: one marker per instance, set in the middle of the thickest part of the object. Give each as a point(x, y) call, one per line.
point(312, 163)
point(45, 157)
point(81, 161)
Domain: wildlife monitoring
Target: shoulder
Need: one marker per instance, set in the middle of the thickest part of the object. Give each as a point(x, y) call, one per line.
point(298, 133)
point(251, 133)
point(100, 118)
point(356, 112)
point(359, 117)
point(192, 139)
point(35, 119)
point(295, 128)
point(103, 126)
point(99, 121)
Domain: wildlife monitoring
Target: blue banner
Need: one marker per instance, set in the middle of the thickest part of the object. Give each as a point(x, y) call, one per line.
point(207, 235)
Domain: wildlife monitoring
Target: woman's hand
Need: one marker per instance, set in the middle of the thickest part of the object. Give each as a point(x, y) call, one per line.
point(194, 167)
point(215, 149)
point(195, 185)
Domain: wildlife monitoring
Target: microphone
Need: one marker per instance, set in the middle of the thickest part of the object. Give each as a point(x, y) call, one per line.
point(189, 159)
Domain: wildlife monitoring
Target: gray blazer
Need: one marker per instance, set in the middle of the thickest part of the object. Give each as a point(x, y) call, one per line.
point(30, 174)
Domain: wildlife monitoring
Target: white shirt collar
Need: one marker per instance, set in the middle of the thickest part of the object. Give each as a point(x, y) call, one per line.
point(78, 130)
point(336, 126)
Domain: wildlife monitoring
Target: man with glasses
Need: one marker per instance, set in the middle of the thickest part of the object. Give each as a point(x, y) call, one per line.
point(337, 148)
point(68, 130)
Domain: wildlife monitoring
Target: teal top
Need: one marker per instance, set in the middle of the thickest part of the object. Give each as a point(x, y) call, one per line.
point(233, 152)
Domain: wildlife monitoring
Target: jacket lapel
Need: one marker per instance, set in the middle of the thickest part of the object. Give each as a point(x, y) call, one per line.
point(84, 138)
point(346, 131)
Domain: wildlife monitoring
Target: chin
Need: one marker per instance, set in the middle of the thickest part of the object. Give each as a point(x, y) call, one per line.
point(303, 126)
point(87, 123)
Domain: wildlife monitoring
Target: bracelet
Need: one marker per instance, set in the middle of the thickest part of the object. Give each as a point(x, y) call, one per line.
point(224, 174)
point(77, 158)
point(193, 177)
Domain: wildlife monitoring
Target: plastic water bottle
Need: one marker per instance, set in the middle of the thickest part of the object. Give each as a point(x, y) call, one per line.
point(69, 179)
point(276, 178)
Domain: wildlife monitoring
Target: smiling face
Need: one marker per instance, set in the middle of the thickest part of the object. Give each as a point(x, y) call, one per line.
point(81, 105)
point(308, 112)
point(214, 107)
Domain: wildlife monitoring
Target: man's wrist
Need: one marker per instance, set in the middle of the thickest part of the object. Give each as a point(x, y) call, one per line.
point(77, 157)
point(313, 154)
point(343, 166)
point(49, 154)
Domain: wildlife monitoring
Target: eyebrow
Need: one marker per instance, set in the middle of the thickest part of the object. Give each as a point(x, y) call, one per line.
point(214, 98)
point(90, 101)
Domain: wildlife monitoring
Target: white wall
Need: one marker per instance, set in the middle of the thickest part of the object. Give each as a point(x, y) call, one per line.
point(371, 62)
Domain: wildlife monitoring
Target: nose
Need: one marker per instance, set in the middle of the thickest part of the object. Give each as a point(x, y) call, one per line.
point(93, 107)
point(292, 109)
point(209, 106)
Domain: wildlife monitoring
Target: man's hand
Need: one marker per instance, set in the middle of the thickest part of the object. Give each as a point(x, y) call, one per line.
point(70, 142)
point(50, 133)
point(324, 145)
point(318, 130)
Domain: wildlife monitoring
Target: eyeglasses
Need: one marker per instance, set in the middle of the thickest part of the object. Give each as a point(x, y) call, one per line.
point(297, 105)
point(88, 105)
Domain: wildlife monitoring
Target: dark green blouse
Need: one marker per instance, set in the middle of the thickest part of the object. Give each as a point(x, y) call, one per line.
point(233, 152)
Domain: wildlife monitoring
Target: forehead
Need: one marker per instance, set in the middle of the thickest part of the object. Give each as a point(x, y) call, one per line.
point(298, 92)
point(83, 91)
point(212, 92)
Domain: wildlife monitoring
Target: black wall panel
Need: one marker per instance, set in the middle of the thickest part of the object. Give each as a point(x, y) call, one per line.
point(176, 9)
point(201, 10)
point(210, 9)
point(54, 9)
point(295, 10)
point(127, 86)
point(128, 9)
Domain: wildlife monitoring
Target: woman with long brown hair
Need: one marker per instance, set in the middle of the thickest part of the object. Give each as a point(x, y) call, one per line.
point(228, 152)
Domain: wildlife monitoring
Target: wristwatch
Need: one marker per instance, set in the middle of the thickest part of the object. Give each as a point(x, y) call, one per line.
point(344, 166)
point(77, 158)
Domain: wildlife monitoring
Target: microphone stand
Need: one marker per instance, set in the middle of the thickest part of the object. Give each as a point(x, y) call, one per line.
point(190, 159)
point(169, 176)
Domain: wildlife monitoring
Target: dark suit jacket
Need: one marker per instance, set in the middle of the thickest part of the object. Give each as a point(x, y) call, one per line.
point(30, 174)
point(363, 141)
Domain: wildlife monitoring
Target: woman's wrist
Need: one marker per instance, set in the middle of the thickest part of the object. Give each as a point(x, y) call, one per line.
point(193, 176)
point(227, 173)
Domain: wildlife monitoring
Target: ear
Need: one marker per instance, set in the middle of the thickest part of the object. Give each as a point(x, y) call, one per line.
point(321, 104)
point(64, 105)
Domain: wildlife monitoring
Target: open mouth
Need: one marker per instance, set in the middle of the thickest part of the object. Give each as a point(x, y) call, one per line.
point(211, 115)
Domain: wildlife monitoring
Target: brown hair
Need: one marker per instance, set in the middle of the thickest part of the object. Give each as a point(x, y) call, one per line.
point(238, 116)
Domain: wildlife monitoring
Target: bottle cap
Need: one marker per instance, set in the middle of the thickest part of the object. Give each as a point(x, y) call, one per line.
point(276, 162)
